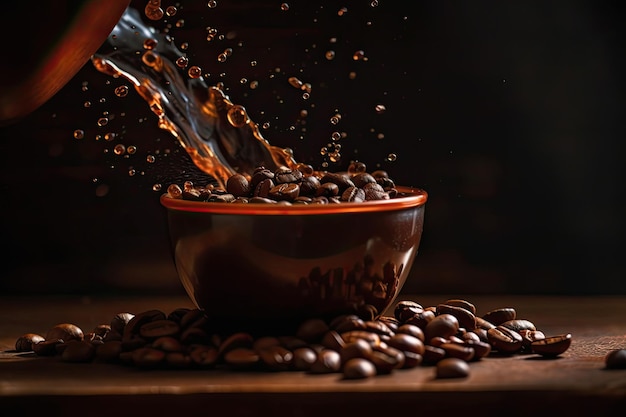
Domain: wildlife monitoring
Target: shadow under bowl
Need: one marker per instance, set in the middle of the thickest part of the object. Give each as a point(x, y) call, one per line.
point(268, 267)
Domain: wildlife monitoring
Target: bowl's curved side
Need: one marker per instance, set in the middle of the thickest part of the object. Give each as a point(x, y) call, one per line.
point(274, 271)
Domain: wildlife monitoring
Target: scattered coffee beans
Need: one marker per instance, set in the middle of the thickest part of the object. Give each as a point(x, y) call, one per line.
point(449, 336)
point(287, 186)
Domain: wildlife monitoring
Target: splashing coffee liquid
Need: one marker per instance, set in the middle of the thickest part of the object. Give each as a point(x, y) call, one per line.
point(218, 135)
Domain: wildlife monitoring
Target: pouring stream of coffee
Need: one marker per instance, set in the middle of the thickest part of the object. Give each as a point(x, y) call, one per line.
point(217, 134)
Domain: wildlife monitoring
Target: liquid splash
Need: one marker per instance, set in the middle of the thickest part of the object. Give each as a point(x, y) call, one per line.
point(217, 134)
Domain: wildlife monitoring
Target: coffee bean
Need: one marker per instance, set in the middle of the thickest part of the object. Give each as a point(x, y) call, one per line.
point(158, 328)
point(457, 302)
point(504, 340)
point(65, 332)
point(552, 346)
point(119, 321)
point(312, 330)
point(303, 358)
point(327, 361)
point(615, 359)
point(276, 357)
point(465, 317)
point(47, 347)
point(452, 368)
point(500, 315)
point(443, 325)
point(25, 342)
point(109, 351)
point(359, 368)
point(78, 351)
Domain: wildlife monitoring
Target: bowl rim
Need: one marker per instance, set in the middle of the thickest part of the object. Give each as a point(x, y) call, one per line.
point(411, 197)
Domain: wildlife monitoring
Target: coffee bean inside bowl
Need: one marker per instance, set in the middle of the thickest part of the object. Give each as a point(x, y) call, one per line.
point(301, 185)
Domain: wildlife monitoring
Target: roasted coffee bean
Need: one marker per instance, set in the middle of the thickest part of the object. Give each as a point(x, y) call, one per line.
point(25, 342)
point(458, 350)
point(504, 340)
point(443, 325)
point(347, 323)
point(333, 340)
point(552, 346)
point(342, 181)
point(147, 357)
point(362, 178)
point(284, 192)
point(276, 358)
point(412, 330)
point(530, 336)
point(292, 342)
point(282, 176)
point(359, 348)
point(367, 312)
point(421, 319)
point(327, 361)
point(262, 189)
point(239, 340)
point(375, 191)
point(385, 358)
point(109, 351)
point(433, 354)
point(167, 344)
point(65, 332)
point(135, 323)
point(119, 321)
point(406, 343)
point(309, 185)
point(481, 349)
point(312, 330)
point(238, 185)
point(466, 318)
point(615, 359)
point(303, 358)
point(353, 335)
point(47, 348)
point(327, 189)
point(178, 314)
point(457, 302)
point(195, 335)
point(353, 195)
point(260, 174)
point(159, 328)
point(452, 368)
point(483, 324)
point(406, 309)
point(359, 368)
point(391, 322)
point(204, 356)
point(78, 351)
point(500, 315)
point(519, 325)
point(265, 342)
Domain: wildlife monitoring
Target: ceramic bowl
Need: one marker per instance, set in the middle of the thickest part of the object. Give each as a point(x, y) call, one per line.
point(270, 266)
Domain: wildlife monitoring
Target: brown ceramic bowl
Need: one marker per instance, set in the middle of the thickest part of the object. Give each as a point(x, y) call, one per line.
point(268, 266)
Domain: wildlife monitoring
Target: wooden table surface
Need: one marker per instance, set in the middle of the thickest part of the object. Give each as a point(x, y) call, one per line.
point(576, 383)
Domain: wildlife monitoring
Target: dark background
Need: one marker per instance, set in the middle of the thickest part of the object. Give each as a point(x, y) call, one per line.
point(509, 113)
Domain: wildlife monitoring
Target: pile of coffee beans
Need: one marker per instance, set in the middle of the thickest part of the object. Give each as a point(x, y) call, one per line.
point(448, 336)
point(301, 185)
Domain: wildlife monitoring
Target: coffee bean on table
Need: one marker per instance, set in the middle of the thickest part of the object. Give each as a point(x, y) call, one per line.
point(355, 345)
point(25, 342)
point(452, 368)
point(551, 346)
point(615, 359)
point(359, 368)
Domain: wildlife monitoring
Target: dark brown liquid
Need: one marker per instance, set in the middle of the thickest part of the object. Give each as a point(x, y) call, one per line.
point(217, 134)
